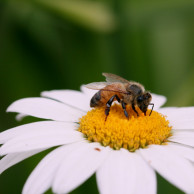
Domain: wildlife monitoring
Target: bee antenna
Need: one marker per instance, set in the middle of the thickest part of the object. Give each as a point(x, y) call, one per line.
point(152, 108)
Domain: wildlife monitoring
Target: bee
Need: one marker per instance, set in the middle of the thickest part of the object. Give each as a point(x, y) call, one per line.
point(124, 91)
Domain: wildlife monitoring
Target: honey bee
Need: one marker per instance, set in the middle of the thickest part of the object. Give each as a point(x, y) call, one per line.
point(124, 91)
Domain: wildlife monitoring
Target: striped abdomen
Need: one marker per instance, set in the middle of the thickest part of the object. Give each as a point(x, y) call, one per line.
point(102, 97)
point(95, 99)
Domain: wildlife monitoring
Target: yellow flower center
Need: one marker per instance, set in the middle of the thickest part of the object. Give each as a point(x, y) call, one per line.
point(119, 132)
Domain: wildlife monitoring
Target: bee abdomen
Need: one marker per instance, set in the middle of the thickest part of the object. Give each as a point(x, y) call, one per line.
point(95, 99)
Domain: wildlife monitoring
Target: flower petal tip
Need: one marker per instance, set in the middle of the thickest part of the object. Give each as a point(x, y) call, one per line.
point(12, 107)
point(9, 109)
point(20, 117)
point(158, 100)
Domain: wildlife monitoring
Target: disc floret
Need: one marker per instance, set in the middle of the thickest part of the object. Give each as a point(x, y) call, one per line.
point(120, 132)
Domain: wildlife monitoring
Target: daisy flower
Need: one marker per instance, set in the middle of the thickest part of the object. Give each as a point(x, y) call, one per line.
point(124, 153)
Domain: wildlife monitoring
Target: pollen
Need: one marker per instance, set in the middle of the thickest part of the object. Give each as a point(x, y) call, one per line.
point(119, 132)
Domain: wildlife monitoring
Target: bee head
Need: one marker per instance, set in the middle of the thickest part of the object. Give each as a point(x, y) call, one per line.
point(143, 101)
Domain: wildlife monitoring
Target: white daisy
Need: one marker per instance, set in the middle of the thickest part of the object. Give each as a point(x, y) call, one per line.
point(144, 144)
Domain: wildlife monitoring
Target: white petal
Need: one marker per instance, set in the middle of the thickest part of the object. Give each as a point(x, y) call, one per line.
point(38, 135)
point(12, 159)
point(74, 98)
point(45, 108)
point(125, 172)
point(183, 137)
point(78, 167)
point(20, 116)
point(41, 127)
point(158, 101)
point(180, 118)
point(186, 152)
point(42, 176)
point(171, 166)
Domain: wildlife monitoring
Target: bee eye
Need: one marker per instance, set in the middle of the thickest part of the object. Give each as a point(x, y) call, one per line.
point(139, 98)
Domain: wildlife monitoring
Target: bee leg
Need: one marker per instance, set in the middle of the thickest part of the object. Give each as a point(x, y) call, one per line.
point(124, 108)
point(109, 103)
point(118, 99)
point(107, 110)
point(133, 107)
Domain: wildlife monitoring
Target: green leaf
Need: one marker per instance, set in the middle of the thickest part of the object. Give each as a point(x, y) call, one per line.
point(89, 14)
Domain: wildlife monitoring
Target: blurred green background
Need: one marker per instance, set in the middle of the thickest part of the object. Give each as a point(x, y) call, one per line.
point(61, 44)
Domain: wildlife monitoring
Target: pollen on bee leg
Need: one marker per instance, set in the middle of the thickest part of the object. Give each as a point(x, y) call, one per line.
point(120, 132)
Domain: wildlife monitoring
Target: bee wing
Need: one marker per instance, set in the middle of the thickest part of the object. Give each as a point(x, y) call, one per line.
point(114, 78)
point(97, 85)
point(101, 85)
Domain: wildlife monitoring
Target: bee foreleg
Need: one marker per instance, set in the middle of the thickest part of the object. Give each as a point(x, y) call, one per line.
point(124, 108)
point(109, 103)
point(133, 107)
